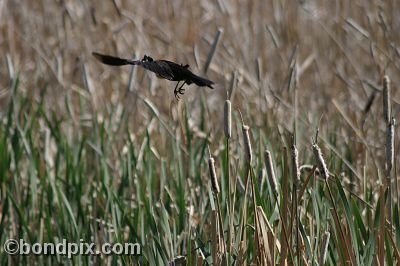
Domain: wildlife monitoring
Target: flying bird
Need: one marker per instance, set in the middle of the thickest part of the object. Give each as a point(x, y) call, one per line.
point(162, 68)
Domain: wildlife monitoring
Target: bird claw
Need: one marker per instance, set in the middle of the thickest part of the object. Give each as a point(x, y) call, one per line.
point(179, 92)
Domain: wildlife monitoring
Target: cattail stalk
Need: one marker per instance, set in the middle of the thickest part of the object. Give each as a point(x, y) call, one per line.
point(295, 166)
point(213, 174)
point(323, 170)
point(389, 163)
point(246, 140)
point(215, 188)
point(231, 199)
point(228, 119)
point(249, 173)
point(271, 173)
point(390, 145)
point(386, 99)
point(296, 183)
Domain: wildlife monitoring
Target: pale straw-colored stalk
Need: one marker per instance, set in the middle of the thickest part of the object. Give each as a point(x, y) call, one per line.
point(324, 248)
point(247, 144)
point(271, 173)
point(213, 174)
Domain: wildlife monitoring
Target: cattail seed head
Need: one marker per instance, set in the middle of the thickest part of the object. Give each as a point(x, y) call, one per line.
point(270, 172)
point(247, 144)
point(386, 99)
point(228, 119)
point(213, 174)
point(390, 145)
point(295, 165)
point(323, 170)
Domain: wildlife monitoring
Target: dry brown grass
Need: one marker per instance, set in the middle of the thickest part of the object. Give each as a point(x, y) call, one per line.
point(289, 66)
point(340, 46)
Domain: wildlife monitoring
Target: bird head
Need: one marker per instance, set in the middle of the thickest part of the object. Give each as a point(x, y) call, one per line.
point(147, 59)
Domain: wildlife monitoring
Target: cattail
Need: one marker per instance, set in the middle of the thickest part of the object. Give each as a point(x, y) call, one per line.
point(213, 174)
point(227, 119)
point(386, 99)
point(295, 166)
point(247, 144)
point(324, 248)
point(270, 172)
point(390, 145)
point(323, 170)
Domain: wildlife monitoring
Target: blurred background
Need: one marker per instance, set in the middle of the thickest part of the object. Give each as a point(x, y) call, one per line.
point(339, 49)
point(288, 66)
point(278, 61)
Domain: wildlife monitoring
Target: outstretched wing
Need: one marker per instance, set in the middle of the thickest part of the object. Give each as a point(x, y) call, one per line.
point(162, 69)
point(114, 61)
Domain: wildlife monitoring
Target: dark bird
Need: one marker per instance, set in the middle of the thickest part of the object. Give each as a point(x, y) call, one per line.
point(162, 68)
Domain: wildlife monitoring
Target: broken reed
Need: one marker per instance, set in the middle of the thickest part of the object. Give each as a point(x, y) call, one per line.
point(248, 155)
point(250, 178)
point(218, 239)
point(324, 248)
point(247, 145)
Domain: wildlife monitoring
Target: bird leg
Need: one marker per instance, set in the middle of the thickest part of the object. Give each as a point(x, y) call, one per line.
point(175, 90)
point(179, 90)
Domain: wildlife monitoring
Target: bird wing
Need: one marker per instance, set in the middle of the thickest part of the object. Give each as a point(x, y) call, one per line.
point(159, 67)
point(113, 60)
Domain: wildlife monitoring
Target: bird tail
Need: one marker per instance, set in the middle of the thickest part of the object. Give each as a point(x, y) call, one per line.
point(199, 81)
point(112, 60)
